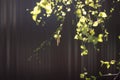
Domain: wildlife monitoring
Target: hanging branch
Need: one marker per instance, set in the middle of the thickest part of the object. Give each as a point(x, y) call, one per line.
point(91, 16)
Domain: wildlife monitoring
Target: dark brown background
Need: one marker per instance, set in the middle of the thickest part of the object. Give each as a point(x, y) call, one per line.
point(19, 36)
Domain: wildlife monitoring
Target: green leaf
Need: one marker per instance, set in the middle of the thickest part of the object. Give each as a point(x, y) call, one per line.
point(76, 37)
point(108, 66)
point(93, 77)
point(95, 24)
point(112, 9)
point(87, 79)
point(79, 24)
point(100, 36)
point(84, 12)
point(100, 73)
point(112, 62)
point(88, 2)
point(82, 19)
point(102, 62)
point(78, 29)
point(102, 14)
point(68, 9)
point(92, 5)
point(35, 13)
point(36, 10)
point(82, 47)
point(119, 37)
point(34, 17)
point(82, 75)
point(92, 32)
point(106, 63)
point(84, 52)
point(55, 36)
point(94, 12)
point(78, 12)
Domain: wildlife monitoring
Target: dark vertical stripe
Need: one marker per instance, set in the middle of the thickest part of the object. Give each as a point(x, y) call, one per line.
point(76, 54)
point(69, 57)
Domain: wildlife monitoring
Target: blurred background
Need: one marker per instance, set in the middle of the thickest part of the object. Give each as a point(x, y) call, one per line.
point(20, 36)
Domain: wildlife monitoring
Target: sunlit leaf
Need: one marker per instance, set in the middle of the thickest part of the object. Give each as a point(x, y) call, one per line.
point(94, 12)
point(89, 17)
point(112, 9)
point(82, 75)
point(60, 8)
point(107, 63)
point(112, 62)
point(84, 52)
point(34, 17)
point(55, 36)
point(82, 47)
point(63, 13)
point(108, 66)
point(76, 37)
point(68, 9)
point(100, 36)
point(68, 3)
point(92, 32)
point(92, 5)
point(84, 12)
point(102, 14)
point(95, 24)
point(82, 19)
point(79, 24)
point(36, 10)
point(38, 21)
point(106, 32)
point(88, 1)
point(78, 12)
point(84, 39)
point(119, 37)
point(78, 29)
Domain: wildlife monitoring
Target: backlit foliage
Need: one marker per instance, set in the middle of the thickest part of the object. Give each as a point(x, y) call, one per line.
point(91, 16)
point(107, 63)
point(88, 12)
